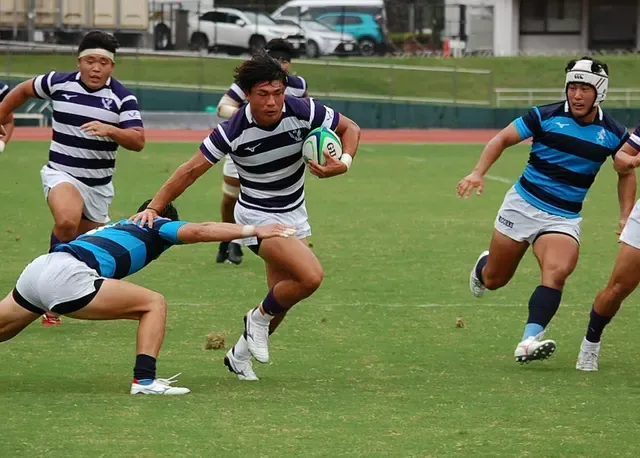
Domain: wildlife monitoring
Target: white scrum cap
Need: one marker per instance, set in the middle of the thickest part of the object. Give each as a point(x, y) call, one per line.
point(588, 71)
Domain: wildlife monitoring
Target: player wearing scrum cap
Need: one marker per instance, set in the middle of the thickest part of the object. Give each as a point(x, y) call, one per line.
point(571, 141)
point(283, 52)
point(93, 114)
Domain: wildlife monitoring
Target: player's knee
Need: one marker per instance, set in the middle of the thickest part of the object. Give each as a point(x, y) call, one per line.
point(312, 280)
point(66, 228)
point(157, 304)
point(556, 274)
point(494, 280)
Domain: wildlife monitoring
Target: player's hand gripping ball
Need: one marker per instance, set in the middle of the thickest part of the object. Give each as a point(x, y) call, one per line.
point(321, 140)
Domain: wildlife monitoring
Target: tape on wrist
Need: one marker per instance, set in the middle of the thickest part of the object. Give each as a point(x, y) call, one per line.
point(248, 231)
point(346, 159)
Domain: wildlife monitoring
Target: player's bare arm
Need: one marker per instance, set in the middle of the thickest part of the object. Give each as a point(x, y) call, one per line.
point(625, 162)
point(182, 178)
point(6, 131)
point(16, 98)
point(507, 137)
point(131, 138)
point(227, 107)
point(218, 232)
point(349, 133)
point(626, 159)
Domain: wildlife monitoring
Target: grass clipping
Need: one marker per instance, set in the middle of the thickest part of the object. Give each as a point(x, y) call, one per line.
point(215, 341)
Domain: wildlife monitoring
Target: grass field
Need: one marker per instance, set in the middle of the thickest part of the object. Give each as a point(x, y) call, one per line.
point(372, 365)
point(513, 72)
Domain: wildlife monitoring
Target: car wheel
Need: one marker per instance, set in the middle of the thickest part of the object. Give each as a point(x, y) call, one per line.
point(257, 44)
point(313, 50)
point(367, 47)
point(162, 37)
point(199, 41)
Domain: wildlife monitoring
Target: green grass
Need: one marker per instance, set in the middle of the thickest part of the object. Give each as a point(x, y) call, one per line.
point(365, 367)
point(514, 72)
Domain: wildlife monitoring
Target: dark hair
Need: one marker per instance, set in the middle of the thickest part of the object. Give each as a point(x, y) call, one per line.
point(596, 65)
point(279, 48)
point(169, 212)
point(99, 39)
point(261, 68)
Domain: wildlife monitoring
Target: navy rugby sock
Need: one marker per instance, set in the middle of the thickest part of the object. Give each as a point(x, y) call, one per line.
point(270, 304)
point(144, 372)
point(481, 263)
point(596, 325)
point(543, 305)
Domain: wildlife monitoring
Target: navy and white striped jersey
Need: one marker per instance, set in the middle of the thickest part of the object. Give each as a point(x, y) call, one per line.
point(269, 161)
point(4, 90)
point(296, 87)
point(565, 157)
point(123, 248)
point(91, 160)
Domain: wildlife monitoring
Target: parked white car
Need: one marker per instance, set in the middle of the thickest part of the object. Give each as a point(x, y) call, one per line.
point(322, 40)
point(239, 31)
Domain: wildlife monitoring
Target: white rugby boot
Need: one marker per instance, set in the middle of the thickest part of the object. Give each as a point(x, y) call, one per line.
point(533, 348)
point(256, 331)
point(476, 286)
point(161, 386)
point(588, 356)
point(242, 368)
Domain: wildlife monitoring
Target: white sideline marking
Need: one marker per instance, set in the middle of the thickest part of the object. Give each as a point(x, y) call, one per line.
point(500, 179)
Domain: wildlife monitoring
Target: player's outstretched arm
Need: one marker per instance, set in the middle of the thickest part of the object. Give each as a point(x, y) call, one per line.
point(626, 159)
point(226, 232)
point(16, 98)
point(625, 162)
point(8, 125)
point(507, 137)
point(182, 178)
point(227, 107)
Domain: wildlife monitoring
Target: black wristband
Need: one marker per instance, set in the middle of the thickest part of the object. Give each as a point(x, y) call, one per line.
point(150, 208)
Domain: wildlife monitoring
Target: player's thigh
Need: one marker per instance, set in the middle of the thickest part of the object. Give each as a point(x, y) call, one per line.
point(87, 225)
point(291, 257)
point(118, 300)
point(231, 181)
point(14, 318)
point(66, 203)
point(626, 272)
point(505, 255)
point(557, 254)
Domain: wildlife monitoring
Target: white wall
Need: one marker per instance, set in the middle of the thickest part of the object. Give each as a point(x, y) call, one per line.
point(505, 27)
point(551, 43)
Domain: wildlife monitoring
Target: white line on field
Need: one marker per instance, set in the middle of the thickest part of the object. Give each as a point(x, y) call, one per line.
point(500, 179)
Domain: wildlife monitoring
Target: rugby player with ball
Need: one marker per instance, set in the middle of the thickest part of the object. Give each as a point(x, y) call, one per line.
point(265, 141)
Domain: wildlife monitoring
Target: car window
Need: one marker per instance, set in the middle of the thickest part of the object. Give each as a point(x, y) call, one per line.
point(329, 20)
point(291, 11)
point(232, 18)
point(352, 20)
point(214, 16)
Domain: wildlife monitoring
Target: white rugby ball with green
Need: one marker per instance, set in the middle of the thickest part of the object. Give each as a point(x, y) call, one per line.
point(319, 140)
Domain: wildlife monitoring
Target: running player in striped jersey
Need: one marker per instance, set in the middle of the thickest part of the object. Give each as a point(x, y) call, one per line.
point(93, 114)
point(6, 131)
point(82, 279)
point(265, 140)
point(571, 141)
point(231, 102)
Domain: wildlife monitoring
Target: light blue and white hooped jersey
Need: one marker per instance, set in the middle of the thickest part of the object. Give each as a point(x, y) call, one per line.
point(90, 160)
point(4, 90)
point(269, 160)
point(296, 87)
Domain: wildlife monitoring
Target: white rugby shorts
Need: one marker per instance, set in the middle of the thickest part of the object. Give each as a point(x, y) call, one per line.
point(97, 199)
point(56, 282)
point(631, 232)
point(521, 221)
point(297, 218)
point(229, 168)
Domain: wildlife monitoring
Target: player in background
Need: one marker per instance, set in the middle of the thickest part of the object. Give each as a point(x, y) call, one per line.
point(231, 102)
point(265, 140)
point(82, 279)
point(571, 141)
point(626, 272)
point(93, 114)
point(7, 126)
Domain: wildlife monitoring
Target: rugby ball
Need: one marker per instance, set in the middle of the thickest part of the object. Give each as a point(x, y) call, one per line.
point(319, 140)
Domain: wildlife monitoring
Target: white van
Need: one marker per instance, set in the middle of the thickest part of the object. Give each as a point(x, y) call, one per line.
point(312, 8)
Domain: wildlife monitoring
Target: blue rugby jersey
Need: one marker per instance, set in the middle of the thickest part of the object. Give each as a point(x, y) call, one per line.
point(123, 248)
point(565, 157)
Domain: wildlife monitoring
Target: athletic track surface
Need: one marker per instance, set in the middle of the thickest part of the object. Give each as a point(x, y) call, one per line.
point(370, 136)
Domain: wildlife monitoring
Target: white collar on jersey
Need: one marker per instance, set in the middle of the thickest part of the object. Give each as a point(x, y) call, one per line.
point(600, 113)
point(247, 111)
point(108, 83)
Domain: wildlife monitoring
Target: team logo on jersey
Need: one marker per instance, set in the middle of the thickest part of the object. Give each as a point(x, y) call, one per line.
point(106, 103)
point(561, 125)
point(296, 135)
point(602, 135)
point(69, 96)
point(252, 149)
point(505, 221)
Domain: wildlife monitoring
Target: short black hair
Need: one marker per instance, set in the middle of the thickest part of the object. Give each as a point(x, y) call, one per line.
point(99, 39)
point(261, 68)
point(169, 212)
point(279, 48)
